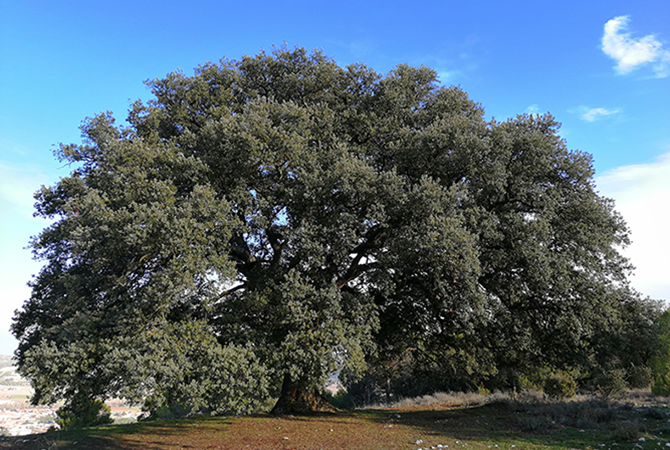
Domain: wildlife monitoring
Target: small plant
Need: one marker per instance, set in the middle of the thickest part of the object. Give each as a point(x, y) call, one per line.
point(482, 390)
point(83, 413)
point(611, 384)
point(628, 431)
point(560, 385)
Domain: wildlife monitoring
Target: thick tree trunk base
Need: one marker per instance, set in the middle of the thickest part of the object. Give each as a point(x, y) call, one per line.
point(299, 401)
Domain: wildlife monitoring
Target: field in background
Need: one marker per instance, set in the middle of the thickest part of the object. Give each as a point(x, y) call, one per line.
point(19, 418)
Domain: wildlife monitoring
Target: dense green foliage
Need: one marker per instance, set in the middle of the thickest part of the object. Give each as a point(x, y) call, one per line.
point(283, 218)
point(84, 413)
point(560, 386)
point(661, 360)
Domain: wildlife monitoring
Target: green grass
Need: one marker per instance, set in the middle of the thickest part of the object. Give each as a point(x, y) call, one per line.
point(503, 424)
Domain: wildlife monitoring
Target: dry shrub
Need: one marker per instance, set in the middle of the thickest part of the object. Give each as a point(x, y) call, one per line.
point(516, 402)
point(593, 413)
point(580, 413)
point(629, 431)
point(444, 398)
point(406, 403)
point(533, 423)
point(423, 400)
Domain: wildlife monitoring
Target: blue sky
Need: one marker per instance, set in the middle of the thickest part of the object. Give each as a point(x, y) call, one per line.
point(602, 68)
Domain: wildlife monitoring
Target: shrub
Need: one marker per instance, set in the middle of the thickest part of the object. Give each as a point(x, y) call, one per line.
point(654, 413)
point(611, 384)
point(528, 384)
point(170, 411)
point(639, 377)
point(81, 413)
point(661, 386)
point(594, 412)
point(341, 400)
point(560, 385)
point(531, 423)
point(661, 361)
point(628, 431)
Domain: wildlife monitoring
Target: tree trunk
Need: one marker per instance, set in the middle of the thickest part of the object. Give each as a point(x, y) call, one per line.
point(388, 392)
point(296, 399)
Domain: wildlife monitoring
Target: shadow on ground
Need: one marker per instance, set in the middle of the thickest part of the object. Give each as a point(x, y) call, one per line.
point(493, 426)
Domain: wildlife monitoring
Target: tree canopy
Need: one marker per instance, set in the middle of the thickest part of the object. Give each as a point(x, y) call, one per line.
point(268, 222)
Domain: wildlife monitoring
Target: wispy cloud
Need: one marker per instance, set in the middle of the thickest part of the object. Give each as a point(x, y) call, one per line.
point(447, 76)
point(589, 114)
point(533, 109)
point(630, 53)
point(592, 114)
point(642, 194)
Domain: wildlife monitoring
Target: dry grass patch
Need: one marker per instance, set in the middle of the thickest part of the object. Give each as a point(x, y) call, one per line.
point(453, 399)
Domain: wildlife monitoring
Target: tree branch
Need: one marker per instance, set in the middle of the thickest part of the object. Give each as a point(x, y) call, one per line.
point(234, 289)
point(354, 272)
point(355, 268)
point(277, 246)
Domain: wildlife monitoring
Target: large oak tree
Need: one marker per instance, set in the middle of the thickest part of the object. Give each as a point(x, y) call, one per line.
point(270, 221)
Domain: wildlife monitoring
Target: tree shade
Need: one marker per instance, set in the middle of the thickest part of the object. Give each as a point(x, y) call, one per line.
point(271, 221)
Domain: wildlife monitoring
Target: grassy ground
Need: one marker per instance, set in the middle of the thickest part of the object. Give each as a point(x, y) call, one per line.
point(500, 424)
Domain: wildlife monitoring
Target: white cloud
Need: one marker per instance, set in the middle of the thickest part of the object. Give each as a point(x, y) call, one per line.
point(592, 114)
point(629, 53)
point(642, 195)
point(533, 109)
point(447, 76)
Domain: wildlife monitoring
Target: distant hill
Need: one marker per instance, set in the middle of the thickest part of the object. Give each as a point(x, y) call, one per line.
point(5, 361)
point(8, 374)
